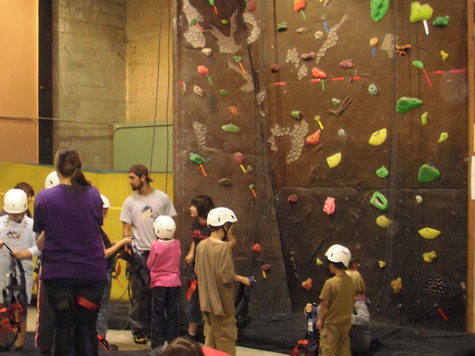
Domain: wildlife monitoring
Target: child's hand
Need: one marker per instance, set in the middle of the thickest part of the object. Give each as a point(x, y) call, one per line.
point(245, 281)
point(188, 259)
point(22, 254)
point(126, 241)
point(1, 244)
point(308, 308)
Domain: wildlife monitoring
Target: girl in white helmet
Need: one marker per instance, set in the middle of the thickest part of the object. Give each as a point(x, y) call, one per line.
point(164, 265)
point(16, 232)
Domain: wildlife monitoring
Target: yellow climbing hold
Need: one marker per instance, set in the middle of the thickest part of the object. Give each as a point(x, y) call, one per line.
point(319, 262)
point(383, 221)
point(429, 233)
point(378, 137)
point(429, 257)
point(334, 160)
point(444, 55)
point(382, 264)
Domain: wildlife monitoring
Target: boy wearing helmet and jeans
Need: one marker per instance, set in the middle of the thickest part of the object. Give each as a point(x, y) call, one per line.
point(336, 306)
point(164, 266)
point(215, 270)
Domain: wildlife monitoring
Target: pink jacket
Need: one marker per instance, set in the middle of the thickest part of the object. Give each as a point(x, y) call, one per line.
point(164, 264)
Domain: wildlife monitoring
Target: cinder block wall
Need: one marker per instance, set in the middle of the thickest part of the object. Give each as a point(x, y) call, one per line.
point(90, 76)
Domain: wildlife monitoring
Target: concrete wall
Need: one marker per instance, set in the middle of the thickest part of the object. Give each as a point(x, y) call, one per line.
point(90, 68)
point(148, 24)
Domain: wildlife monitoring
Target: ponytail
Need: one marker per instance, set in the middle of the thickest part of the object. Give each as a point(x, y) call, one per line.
point(69, 165)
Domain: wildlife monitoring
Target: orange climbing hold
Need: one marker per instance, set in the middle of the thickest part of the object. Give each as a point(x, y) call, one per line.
point(307, 284)
point(233, 110)
point(319, 74)
point(256, 248)
point(299, 5)
point(202, 70)
point(314, 138)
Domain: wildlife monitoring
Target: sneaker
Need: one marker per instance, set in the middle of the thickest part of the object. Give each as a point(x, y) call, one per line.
point(140, 337)
point(113, 347)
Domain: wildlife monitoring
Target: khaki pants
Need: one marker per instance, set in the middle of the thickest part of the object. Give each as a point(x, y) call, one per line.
point(335, 339)
point(220, 332)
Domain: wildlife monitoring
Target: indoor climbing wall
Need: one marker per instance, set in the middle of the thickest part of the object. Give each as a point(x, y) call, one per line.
point(351, 121)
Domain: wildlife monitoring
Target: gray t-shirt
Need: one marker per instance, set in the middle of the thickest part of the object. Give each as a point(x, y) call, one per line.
point(141, 211)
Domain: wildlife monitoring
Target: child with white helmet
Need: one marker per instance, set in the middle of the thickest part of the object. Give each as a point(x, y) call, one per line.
point(16, 232)
point(336, 304)
point(215, 270)
point(164, 265)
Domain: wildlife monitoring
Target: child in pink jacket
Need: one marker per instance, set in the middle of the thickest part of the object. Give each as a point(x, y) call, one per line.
point(164, 266)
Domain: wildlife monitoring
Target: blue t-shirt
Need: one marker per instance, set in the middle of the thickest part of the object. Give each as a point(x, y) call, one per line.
point(73, 245)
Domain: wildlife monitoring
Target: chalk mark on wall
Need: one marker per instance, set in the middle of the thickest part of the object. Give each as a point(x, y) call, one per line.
point(256, 31)
point(297, 135)
point(226, 44)
point(249, 86)
point(193, 35)
point(200, 133)
point(331, 40)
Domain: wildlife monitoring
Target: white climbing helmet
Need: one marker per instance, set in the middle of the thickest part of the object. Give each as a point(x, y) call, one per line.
point(15, 201)
point(52, 180)
point(338, 253)
point(220, 216)
point(164, 227)
point(106, 204)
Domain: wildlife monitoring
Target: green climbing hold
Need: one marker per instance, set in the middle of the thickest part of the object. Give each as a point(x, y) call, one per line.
point(424, 118)
point(223, 92)
point(296, 114)
point(196, 158)
point(405, 104)
point(283, 26)
point(382, 172)
point(237, 59)
point(378, 9)
point(378, 200)
point(418, 64)
point(193, 22)
point(441, 21)
point(427, 173)
point(231, 128)
point(444, 136)
point(336, 101)
point(420, 12)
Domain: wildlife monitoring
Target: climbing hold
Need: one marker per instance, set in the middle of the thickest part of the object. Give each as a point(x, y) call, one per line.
point(318, 35)
point(329, 207)
point(382, 264)
point(307, 284)
point(418, 64)
point(341, 133)
point(296, 114)
point(275, 68)
point(373, 42)
point(301, 30)
point(307, 56)
point(207, 51)
point(441, 21)
point(253, 191)
point(341, 108)
point(396, 285)
point(237, 59)
point(283, 26)
point(403, 50)
point(252, 6)
point(420, 12)
point(383, 221)
point(424, 118)
point(346, 63)
point(429, 233)
point(373, 89)
point(444, 55)
point(239, 159)
point(231, 128)
point(198, 91)
point(378, 200)
point(265, 268)
point(225, 182)
point(427, 173)
point(443, 137)
point(334, 160)
point(317, 73)
point(293, 199)
point(418, 199)
point(224, 21)
point(336, 101)
point(405, 104)
point(249, 168)
point(382, 172)
point(314, 138)
point(318, 261)
point(429, 257)
point(233, 110)
point(299, 5)
point(205, 71)
point(378, 9)
point(256, 248)
point(223, 92)
point(196, 158)
point(378, 137)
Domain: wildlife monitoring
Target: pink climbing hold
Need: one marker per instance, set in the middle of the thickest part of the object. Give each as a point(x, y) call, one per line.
point(293, 199)
point(202, 70)
point(319, 74)
point(238, 157)
point(329, 207)
point(252, 6)
point(346, 63)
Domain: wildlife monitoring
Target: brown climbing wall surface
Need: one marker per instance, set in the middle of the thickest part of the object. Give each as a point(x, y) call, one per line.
point(293, 234)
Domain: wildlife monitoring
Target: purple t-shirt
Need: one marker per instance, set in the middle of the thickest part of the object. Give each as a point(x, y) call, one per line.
point(73, 245)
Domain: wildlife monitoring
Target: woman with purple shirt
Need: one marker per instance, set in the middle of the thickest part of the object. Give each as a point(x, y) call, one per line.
point(73, 260)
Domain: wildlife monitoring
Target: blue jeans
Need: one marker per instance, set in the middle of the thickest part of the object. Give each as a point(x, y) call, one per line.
point(74, 325)
point(104, 310)
point(165, 308)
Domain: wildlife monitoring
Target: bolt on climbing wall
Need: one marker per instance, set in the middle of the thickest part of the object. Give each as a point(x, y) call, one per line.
point(351, 116)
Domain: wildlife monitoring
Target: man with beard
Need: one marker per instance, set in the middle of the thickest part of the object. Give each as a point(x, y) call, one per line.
point(139, 211)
